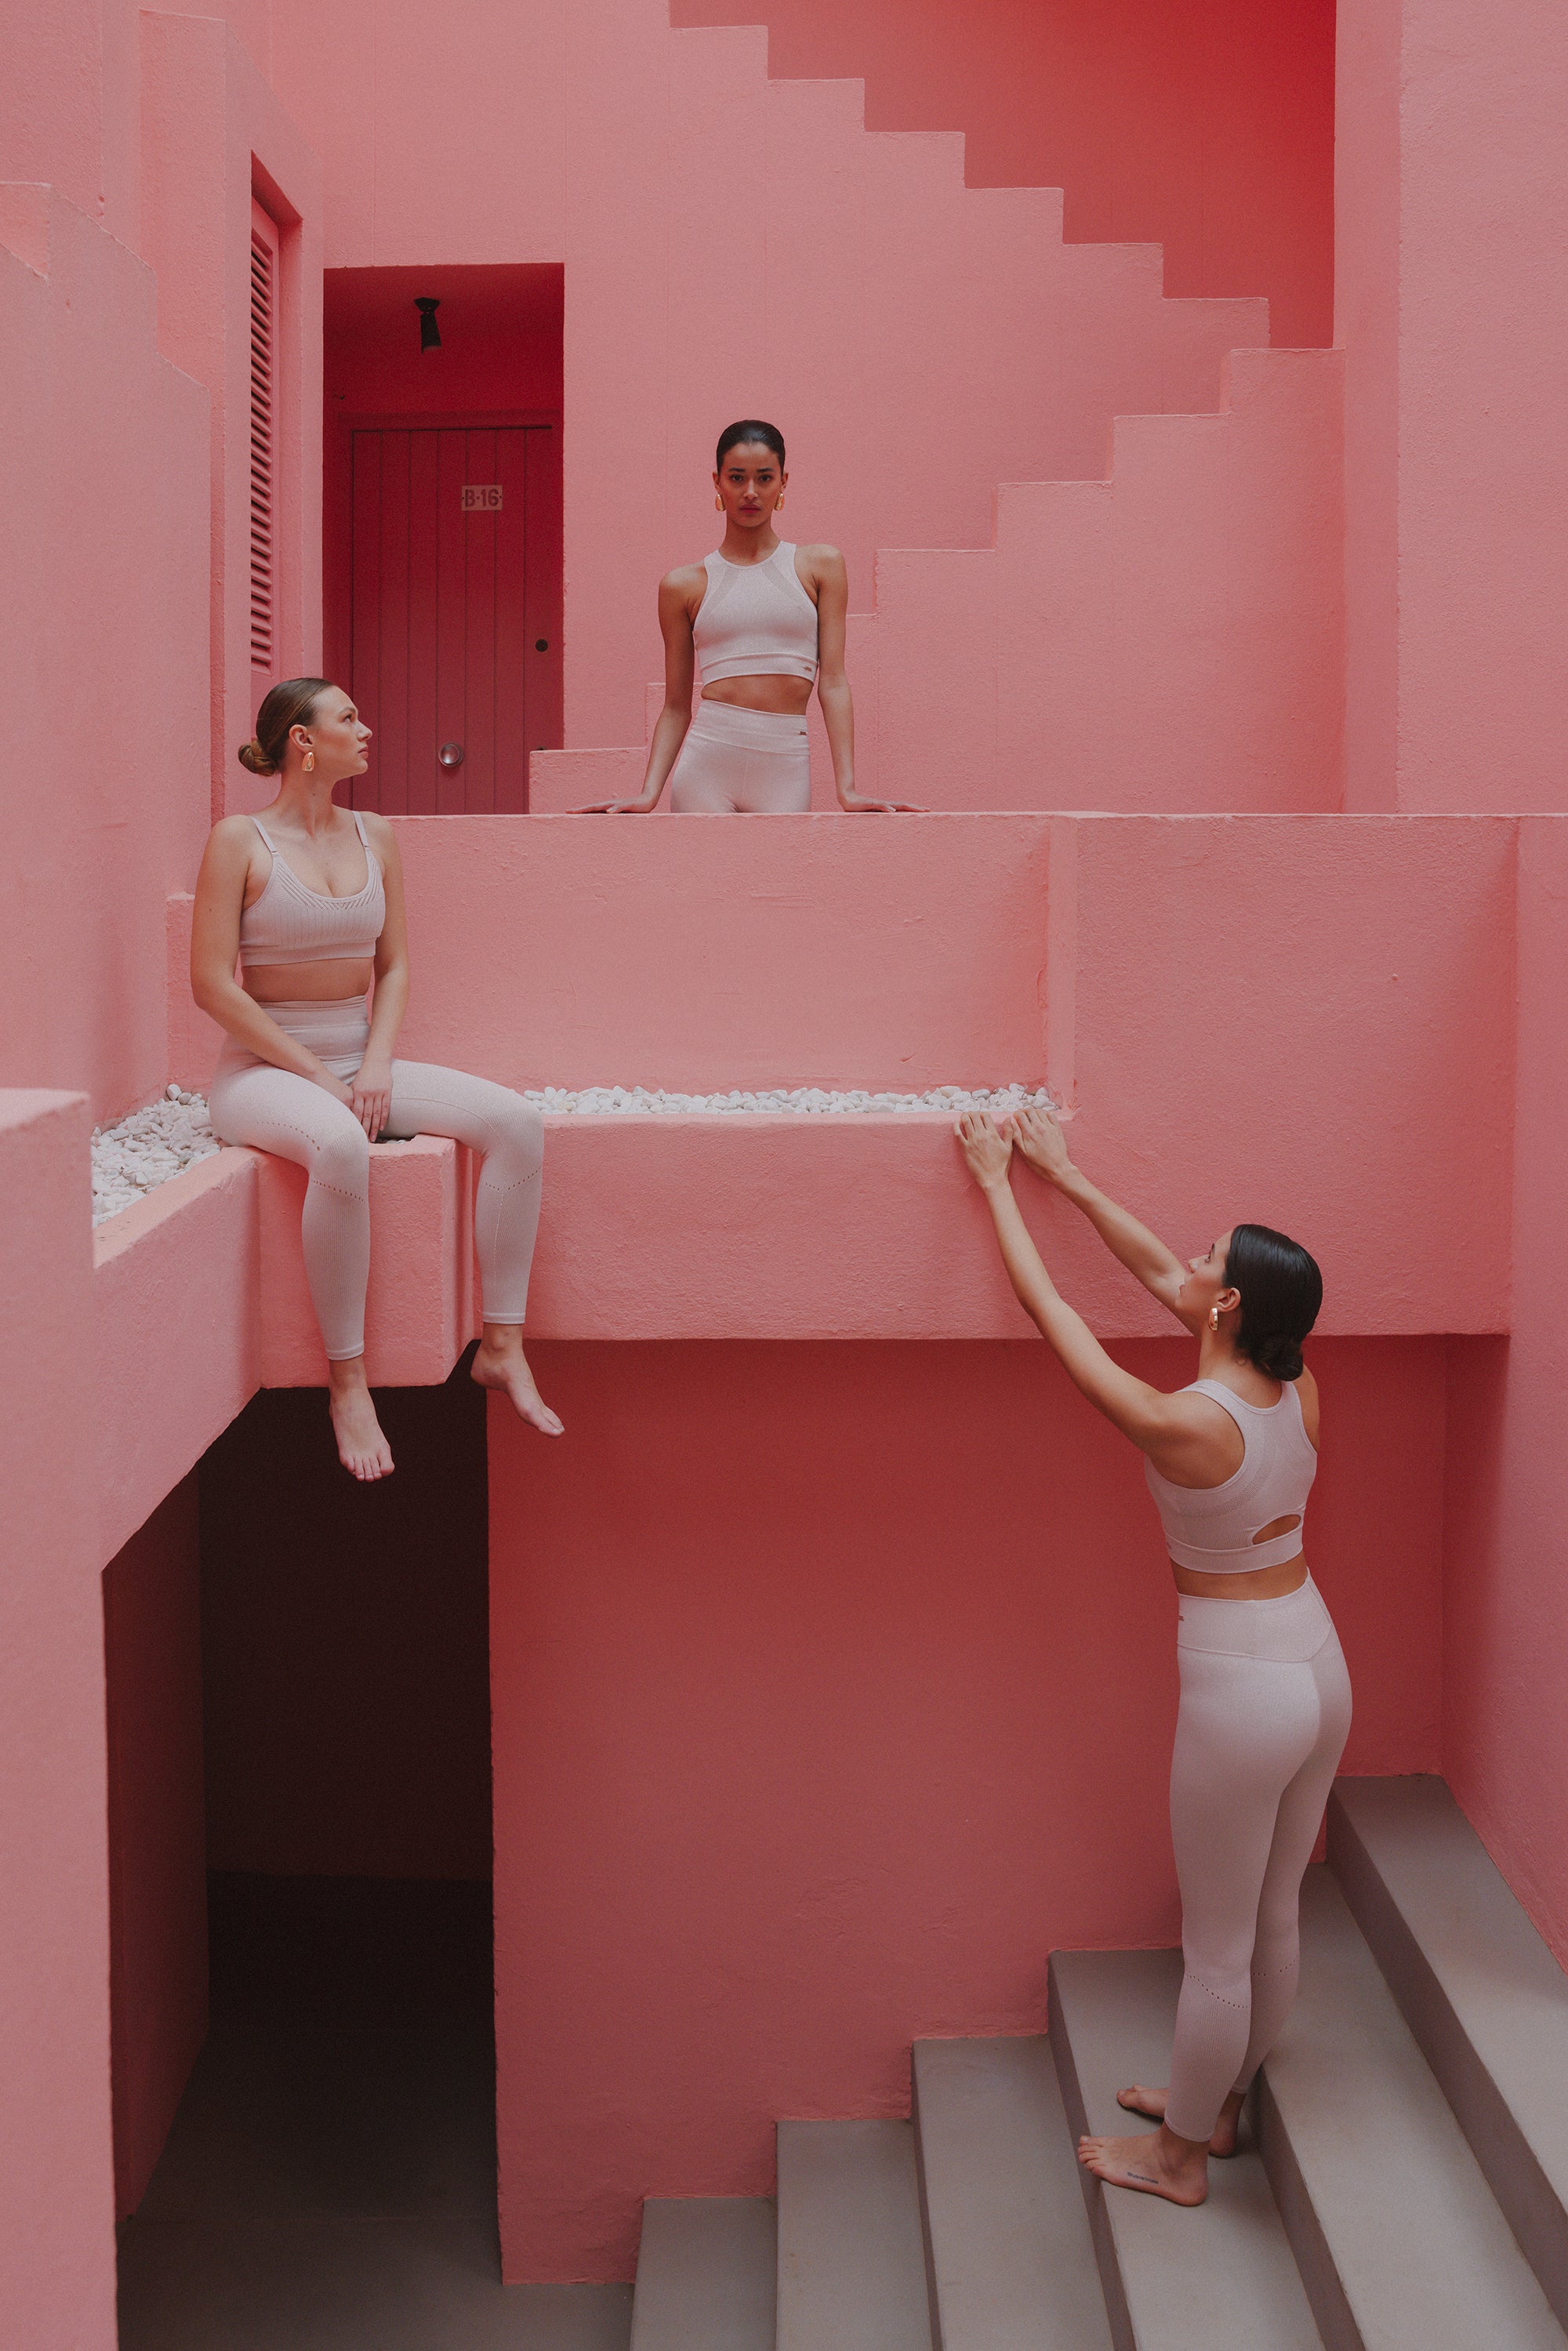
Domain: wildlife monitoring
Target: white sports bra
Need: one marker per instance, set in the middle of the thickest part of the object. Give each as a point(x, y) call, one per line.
point(1210, 1528)
point(291, 923)
point(755, 619)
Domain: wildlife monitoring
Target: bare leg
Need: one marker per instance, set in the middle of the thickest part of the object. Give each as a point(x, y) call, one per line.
point(361, 1447)
point(1157, 2163)
point(499, 1363)
point(1141, 2101)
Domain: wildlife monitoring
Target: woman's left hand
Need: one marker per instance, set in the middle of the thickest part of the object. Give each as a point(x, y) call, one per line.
point(985, 1149)
point(370, 1096)
point(856, 804)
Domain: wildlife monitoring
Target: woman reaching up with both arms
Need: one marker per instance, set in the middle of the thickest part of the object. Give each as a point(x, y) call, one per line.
point(309, 898)
point(764, 619)
point(1265, 1698)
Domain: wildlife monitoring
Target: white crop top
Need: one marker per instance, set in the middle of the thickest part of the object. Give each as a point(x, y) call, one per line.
point(755, 619)
point(1210, 1528)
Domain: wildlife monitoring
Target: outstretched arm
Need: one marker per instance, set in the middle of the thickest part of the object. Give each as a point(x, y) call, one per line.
point(1039, 1140)
point(1139, 1411)
point(831, 584)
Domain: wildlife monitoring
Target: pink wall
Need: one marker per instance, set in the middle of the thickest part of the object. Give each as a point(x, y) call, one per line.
point(1453, 308)
point(345, 1644)
point(103, 484)
point(1505, 1614)
point(157, 1839)
point(57, 2154)
point(767, 1807)
point(1207, 129)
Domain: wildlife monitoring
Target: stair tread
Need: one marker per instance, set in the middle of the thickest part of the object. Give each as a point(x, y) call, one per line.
point(1010, 2246)
point(1508, 1994)
point(851, 2262)
point(1222, 2278)
point(705, 2274)
point(1421, 2251)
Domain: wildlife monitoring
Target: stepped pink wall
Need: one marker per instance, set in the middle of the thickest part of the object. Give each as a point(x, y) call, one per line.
point(767, 1807)
point(157, 1831)
point(1453, 309)
point(1207, 129)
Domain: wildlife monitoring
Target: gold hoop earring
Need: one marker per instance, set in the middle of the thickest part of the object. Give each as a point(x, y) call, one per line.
point(310, 763)
point(778, 504)
point(1214, 1318)
point(718, 506)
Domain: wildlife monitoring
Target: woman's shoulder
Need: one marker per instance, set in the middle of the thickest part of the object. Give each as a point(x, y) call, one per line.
point(233, 838)
point(686, 579)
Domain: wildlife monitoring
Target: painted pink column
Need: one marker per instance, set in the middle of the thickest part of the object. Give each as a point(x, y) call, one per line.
point(1453, 308)
point(57, 2159)
point(1505, 1745)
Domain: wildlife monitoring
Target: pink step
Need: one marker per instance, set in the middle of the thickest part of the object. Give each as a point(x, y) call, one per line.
point(1169, 639)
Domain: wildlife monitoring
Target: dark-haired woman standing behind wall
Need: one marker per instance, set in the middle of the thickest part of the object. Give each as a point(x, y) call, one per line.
point(764, 619)
point(1265, 1698)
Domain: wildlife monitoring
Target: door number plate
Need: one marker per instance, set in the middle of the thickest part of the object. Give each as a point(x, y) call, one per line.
point(481, 498)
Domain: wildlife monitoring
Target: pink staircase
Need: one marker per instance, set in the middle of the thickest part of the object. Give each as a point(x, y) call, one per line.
point(1121, 623)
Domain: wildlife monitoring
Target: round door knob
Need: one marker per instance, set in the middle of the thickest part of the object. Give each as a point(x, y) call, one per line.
point(451, 755)
point(542, 645)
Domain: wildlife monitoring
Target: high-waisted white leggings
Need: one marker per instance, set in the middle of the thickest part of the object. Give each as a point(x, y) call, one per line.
point(254, 1102)
point(741, 763)
point(1265, 1711)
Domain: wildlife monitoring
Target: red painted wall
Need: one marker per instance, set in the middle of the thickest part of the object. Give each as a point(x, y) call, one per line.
point(1206, 125)
point(772, 1797)
point(501, 350)
point(157, 1840)
point(345, 1643)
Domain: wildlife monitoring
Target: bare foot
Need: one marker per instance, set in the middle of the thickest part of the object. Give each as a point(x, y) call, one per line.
point(361, 1447)
point(499, 1363)
point(1139, 2101)
point(1157, 2164)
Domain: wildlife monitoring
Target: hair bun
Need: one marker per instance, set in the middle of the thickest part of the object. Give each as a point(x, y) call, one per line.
point(253, 756)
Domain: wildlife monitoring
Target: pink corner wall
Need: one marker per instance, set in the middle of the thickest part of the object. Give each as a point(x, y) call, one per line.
point(1206, 129)
point(766, 1809)
point(157, 1831)
point(1506, 1614)
point(103, 484)
point(57, 2154)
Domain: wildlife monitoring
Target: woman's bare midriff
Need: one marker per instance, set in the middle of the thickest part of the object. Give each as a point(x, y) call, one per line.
point(309, 983)
point(783, 697)
point(1252, 1584)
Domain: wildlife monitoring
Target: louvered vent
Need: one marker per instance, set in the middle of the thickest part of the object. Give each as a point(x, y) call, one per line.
point(263, 447)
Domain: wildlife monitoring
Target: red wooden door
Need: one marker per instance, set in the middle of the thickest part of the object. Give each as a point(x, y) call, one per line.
point(456, 625)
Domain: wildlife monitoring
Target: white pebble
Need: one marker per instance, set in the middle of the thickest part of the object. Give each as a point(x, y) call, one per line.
point(138, 1153)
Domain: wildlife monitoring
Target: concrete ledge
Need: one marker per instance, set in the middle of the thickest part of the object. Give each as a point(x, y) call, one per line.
point(175, 1296)
point(420, 1306)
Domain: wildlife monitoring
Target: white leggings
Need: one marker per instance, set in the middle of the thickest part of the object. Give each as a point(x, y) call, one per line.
point(1265, 1712)
point(254, 1102)
point(738, 762)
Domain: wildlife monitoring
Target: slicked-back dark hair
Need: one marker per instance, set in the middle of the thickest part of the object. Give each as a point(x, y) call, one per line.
point(750, 428)
point(291, 702)
point(1281, 1291)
